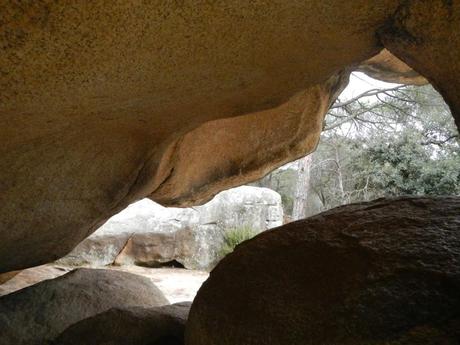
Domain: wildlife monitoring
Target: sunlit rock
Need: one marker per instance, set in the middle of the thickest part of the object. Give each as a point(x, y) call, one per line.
point(149, 234)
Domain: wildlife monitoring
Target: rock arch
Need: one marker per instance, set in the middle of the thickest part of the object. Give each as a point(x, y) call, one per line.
point(101, 106)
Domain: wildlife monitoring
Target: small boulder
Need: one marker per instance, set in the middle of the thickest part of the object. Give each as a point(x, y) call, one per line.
point(130, 326)
point(40, 312)
point(382, 272)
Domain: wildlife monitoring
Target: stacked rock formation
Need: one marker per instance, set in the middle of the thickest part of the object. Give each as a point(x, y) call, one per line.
point(149, 234)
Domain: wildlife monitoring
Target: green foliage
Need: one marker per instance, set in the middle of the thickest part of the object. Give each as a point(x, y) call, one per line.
point(234, 237)
point(415, 153)
point(288, 203)
point(403, 166)
point(403, 143)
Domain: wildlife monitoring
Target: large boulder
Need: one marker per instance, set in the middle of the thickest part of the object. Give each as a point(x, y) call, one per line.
point(102, 105)
point(381, 272)
point(130, 326)
point(149, 234)
point(103, 246)
point(39, 313)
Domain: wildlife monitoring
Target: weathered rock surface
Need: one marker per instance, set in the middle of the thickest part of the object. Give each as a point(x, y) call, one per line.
point(223, 153)
point(383, 272)
point(425, 34)
point(149, 234)
point(4, 277)
point(97, 100)
point(31, 276)
point(130, 326)
point(40, 312)
point(104, 105)
point(387, 67)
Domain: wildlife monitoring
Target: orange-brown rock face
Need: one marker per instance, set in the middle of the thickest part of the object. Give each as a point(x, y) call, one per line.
point(220, 154)
point(102, 104)
point(426, 35)
point(387, 67)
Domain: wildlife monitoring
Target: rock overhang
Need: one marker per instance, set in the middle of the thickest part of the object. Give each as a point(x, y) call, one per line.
point(104, 105)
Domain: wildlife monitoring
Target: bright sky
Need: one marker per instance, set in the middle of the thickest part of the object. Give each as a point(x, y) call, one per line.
point(359, 83)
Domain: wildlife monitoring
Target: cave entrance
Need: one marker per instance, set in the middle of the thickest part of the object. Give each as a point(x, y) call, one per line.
point(378, 140)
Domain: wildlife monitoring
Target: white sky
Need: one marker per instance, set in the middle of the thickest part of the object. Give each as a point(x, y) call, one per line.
point(359, 83)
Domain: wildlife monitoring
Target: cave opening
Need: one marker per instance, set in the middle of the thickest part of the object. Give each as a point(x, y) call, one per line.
point(379, 140)
point(104, 104)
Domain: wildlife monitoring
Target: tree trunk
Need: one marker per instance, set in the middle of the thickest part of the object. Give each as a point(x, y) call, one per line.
point(340, 177)
point(302, 188)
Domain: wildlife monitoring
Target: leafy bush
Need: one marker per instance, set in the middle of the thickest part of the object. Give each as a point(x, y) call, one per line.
point(234, 237)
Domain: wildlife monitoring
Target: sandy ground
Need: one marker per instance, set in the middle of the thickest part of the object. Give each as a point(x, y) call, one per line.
point(177, 284)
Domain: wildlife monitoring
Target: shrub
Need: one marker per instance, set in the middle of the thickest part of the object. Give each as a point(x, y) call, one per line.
point(234, 237)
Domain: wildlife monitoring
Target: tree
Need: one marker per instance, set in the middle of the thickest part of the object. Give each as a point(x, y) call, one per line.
point(406, 165)
point(355, 111)
point(416, 151)
point(402, 140)
point(302, 188)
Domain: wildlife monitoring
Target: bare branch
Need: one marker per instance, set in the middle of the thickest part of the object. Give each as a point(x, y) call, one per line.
point(439, 142)
point(368, 93)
